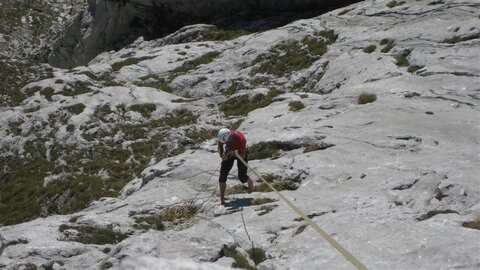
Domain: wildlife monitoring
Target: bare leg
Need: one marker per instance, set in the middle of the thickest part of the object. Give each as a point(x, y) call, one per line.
point(223, 186)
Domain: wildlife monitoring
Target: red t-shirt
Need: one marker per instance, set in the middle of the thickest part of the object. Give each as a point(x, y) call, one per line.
point(237, 141)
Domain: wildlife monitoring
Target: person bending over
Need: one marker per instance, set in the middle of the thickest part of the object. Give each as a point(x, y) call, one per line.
point(228, 142)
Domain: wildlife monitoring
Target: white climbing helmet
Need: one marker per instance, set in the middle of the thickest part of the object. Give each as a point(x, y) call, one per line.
point(223, 135)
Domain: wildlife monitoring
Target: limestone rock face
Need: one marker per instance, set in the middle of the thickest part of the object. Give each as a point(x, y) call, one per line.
point(109, 24)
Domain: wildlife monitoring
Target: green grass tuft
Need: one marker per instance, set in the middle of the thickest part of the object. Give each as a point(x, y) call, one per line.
point(389, 44)
point(394, 3)
point(475, 224)
point(457, 39)
point(365, 98)
point(257, 255)
point(296, 106)
point(414, 68)
point(401, 60)
point(370, 49)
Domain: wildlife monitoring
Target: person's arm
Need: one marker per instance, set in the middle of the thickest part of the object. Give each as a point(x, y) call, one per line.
point(220, 150)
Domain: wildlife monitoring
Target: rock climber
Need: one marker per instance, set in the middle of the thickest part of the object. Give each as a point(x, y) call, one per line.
point(228, 142)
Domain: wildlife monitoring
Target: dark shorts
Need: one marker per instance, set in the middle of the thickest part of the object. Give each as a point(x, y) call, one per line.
point(227, 166)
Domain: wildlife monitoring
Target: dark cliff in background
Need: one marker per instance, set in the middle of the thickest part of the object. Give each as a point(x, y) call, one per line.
point(112, 24)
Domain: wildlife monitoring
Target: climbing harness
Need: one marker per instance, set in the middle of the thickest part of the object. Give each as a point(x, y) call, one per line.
point(317, 228)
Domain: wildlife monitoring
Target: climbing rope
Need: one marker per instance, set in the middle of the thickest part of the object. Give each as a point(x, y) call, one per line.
point(317, 228)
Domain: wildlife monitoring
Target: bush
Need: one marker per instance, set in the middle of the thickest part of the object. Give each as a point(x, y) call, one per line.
point(365, 98)
point(296, 106)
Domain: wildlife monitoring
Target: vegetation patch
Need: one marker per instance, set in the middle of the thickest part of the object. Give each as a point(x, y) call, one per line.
point(15, 74)
point(388, 45)
point(472, 224)
point(311, 147)
point(414, 68)
point(260, 201)
point(370, 49)
point(156, 82)
point(256, 254)
point(278, 185)
point(242, 105)
point(296, 106)
point(263, 150)
point(154, 222)
point(145, 109)
point(216, 34)
point(365, 98)
point(292, 56)
point(394, 3)
point(202, 60)
point(401, 60)
point(77, 88)
point(457, 39)
point(201, 135)
point(130, 61)
point(95, 235)
point(76, 108)
point(236, 189)
point(47, 93)
point(300, 229)
point(100, 169)
point(178, 214)
point(433, 213)
point(178, 118)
